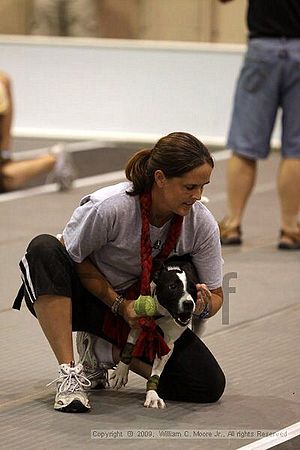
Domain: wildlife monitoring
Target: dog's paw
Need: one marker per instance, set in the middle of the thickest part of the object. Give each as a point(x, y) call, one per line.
point(153, 400)
point(119, 377)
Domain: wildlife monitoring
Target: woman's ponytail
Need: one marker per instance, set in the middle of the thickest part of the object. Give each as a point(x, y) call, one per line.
point(136, 170)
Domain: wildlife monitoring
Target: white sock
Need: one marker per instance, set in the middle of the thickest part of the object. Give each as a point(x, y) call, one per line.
point(103, 351)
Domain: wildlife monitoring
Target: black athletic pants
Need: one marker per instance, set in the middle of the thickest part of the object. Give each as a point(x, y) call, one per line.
point(192, 374)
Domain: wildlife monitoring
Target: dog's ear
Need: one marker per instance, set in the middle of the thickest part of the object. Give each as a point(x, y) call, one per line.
point(158, 266)
point(191, 288)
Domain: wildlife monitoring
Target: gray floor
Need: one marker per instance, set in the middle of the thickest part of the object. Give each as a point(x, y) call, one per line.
point(258, 349)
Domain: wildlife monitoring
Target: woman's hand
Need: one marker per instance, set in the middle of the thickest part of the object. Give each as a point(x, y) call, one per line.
point(128, 313)
point(203, 298)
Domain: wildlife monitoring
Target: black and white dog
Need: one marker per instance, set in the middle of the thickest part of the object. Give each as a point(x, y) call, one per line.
point(174, 288)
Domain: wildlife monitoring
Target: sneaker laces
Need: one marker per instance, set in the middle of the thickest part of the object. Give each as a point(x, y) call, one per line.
point(71, 381)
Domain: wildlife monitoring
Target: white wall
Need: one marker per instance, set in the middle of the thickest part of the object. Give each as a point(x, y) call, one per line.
point(120, 89)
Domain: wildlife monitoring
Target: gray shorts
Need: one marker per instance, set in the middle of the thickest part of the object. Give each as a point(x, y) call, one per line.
point(269, 79)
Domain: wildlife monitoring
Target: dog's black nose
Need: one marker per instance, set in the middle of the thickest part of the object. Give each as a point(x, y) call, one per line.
point(188, 305)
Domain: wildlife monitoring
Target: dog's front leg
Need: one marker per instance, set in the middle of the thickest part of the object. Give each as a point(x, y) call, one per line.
point(119, 376)
point(171, 333)
point(152, 398)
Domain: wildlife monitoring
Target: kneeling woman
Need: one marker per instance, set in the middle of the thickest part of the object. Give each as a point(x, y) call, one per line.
point(84, 283)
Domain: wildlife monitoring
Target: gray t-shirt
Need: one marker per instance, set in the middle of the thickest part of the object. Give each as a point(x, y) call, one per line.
point(107, 228)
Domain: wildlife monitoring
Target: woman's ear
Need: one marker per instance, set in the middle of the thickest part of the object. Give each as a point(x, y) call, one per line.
point(159, 178)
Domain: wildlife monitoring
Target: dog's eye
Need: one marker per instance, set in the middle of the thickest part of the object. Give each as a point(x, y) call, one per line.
point(172, 286)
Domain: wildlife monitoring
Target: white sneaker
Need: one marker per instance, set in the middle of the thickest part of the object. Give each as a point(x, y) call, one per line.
point(64, 172)
point(96, 372)
point(70, 385)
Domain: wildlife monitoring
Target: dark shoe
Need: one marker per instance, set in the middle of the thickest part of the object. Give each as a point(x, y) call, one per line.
point(289, 241)
point(230, 235)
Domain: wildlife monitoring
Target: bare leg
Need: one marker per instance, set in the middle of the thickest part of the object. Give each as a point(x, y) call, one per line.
point(55, 317)
point(289, 193)
point(241, 176)
point(18, 173)
point(5, 123)
point(6, 119)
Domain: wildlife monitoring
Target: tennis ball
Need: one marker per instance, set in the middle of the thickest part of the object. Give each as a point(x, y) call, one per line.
point(145, 305)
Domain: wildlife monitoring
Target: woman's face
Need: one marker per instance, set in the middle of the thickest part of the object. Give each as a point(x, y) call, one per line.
point(178, 194)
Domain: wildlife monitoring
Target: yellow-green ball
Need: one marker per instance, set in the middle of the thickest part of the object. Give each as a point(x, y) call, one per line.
point(145, 305)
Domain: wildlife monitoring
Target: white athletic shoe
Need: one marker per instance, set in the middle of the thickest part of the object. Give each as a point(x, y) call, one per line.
point(64, 172)
point(70, 389)
point(96, 372)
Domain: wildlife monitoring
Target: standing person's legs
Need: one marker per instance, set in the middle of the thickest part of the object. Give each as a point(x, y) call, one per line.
point(289, 195)
point(289, 170)
point(241, 176)
point(254, 112)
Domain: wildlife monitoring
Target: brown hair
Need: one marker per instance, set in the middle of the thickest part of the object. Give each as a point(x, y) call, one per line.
point(174, 154)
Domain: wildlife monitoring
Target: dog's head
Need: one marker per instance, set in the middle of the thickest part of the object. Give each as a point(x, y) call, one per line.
point(175, 289)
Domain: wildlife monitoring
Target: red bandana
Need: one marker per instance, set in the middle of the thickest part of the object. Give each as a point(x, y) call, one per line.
point(146, 246)
point(150, 341)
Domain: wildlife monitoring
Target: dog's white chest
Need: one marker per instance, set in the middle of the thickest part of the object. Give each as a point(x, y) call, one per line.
point(171, 330)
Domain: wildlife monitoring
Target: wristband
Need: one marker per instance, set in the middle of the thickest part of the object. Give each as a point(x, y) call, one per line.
point(116, 304)
point(205, 313)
